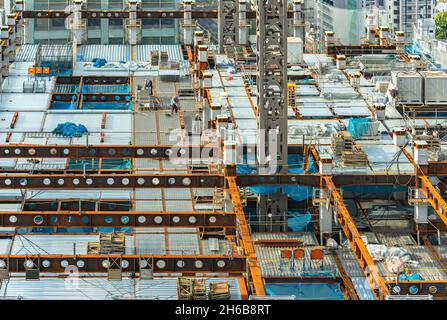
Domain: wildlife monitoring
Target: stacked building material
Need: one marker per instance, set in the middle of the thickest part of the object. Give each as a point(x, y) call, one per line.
point(341, 142)
point(185, 288)
point(154, 57)
point(93, 248)
point(356, 158)
point(163, 58)
point(199, 289)
point(219, 291)
point(112, 243)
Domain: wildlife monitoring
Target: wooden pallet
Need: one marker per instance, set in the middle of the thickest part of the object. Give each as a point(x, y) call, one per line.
point(354, 159)
point(199, 289)
point(220, 291)
point(112, 242)
point(184, 288)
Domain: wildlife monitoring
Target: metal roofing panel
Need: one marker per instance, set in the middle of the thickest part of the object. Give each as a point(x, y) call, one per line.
point(110, 52)
point(180, 243)
point(150, 243)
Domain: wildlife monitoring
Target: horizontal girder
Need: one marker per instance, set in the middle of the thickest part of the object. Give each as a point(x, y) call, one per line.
point(86, 219)
point(95, 263)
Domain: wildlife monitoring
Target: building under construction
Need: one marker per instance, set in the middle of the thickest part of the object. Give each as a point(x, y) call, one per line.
point(258, 167)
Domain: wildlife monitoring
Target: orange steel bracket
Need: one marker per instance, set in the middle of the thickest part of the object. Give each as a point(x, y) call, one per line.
point(433, 197)
point(257, 284)
point(428, 190)
point(377, 283)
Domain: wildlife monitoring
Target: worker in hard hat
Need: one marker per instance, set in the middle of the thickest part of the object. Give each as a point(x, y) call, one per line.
point(175, 104)
point(197, 124)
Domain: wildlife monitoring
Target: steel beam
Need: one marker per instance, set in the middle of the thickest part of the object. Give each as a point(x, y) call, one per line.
point(93, 219)
point(377, 283)
point(126, 181)
point(436, 288)
point(119, 181)
point(358, 50)
point(437, 168)
point(254, 273)
point(124, 14)
point(107, 151)
point(185, 264)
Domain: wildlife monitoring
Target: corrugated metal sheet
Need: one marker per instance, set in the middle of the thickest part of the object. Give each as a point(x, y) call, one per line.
point(110, 52)
point(88, 288)
point(272, 265)
point(308, 238)
point(58, 244)
point(150, 243)
point(27, 53)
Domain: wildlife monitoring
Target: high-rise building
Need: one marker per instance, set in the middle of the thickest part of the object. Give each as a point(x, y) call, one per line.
point(402, 15)
point(344, 17)
point(102, 31)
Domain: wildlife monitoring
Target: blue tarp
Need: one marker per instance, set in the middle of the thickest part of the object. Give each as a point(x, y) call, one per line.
point(305, 291)
point(295, 165)
point(358, 127)
point(410, 277)
point(299, 221)
point(70, 129)
point(99, 62)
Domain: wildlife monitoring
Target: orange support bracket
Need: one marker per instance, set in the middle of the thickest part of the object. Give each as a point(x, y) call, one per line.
point(427, 189)
point(182, 120)
point(8, 136)
point(103, 120)
point(14, 120)
point(377, 283)
point(257, 284)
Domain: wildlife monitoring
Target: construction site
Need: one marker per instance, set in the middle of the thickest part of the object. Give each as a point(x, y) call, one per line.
point(267, 164)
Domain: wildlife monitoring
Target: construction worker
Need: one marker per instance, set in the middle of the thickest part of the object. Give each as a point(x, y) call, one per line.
point(150, 88)
point(175, 105)
point(197, 124)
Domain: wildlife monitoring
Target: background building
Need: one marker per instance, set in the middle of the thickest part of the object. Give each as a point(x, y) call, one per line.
point(346, 18)
point(104, 31)
point(402, 15)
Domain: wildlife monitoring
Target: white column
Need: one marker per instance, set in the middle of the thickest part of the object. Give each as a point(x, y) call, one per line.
point(420, 209)
point(188, 28)
point(325, 214)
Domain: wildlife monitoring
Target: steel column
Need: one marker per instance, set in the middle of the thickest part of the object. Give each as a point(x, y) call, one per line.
point(271, 77)
point(228, 21)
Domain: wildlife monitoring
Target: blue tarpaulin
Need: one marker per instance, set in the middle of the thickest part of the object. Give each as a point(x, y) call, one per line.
point(299, 221)
point(410, 277)
point(70, 129)
point(295, 165)
point(358, 127)
point(99, 62)
point(305, 291)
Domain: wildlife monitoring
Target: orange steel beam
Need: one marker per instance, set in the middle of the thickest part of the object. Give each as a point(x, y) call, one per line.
point(242, 288)
point(378, 284)
point(349, 286)
point(305, 158)
point(189, 53)
point(428, 190)
point(257, 284)
point(433, 197)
